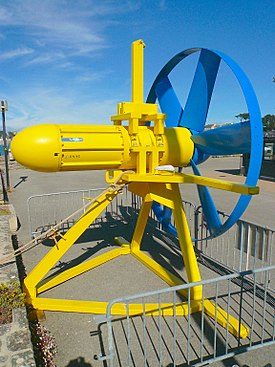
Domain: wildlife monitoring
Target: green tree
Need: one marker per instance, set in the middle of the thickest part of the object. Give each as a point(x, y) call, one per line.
point(243, 116)
point(269, 122)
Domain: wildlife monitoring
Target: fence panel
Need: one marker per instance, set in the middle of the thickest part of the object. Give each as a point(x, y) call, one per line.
point(245, 246)
point(47, 210)
point(196, 339)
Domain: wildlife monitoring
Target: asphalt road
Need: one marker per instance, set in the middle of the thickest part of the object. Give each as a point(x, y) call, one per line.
point(77, 335)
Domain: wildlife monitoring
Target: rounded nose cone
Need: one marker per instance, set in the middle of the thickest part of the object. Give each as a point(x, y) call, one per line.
point(38, 147)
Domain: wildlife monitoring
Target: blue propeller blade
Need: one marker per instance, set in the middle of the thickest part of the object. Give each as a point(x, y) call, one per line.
point(197, 104)
point(225, 140)
point(168, 102)
point(164, 215)
point(209, 209)
point(194, 117)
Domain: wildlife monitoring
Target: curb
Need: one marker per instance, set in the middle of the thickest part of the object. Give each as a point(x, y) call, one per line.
point(16, 348)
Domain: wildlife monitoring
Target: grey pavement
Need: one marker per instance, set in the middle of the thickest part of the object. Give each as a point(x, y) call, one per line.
point(15, 339)
point(77, 335)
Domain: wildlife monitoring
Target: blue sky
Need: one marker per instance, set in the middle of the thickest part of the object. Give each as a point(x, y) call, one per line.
point(68, 61)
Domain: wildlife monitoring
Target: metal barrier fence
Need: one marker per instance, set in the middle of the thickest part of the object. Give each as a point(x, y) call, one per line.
point(191, 340)
point(246, 246)
point(45, 211)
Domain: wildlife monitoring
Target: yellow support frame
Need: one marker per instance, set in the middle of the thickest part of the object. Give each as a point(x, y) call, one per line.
point(167, 194)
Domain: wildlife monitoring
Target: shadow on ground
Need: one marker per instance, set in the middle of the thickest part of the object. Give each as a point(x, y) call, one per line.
point(78, 362)
point(234, 171)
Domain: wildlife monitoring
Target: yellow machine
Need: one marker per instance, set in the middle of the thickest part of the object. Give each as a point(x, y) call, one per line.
point(131, 152)
point(52, 148)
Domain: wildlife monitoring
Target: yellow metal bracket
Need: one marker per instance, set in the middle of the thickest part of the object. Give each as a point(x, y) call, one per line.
point(182, 178)
point(53, 235)
point(137, 113)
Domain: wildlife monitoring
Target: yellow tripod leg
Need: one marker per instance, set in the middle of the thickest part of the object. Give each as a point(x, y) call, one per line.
point(141, 224)
point(55, 280)
point(132, 309)
point(225, 320)
point(164, 274)
point(186, 245)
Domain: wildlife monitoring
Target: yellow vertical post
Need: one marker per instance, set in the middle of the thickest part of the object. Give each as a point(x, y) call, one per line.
point(187, 249)
point(137, 71)
point(141, 223)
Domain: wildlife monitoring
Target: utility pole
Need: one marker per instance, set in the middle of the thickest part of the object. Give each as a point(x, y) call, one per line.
point(4, 109)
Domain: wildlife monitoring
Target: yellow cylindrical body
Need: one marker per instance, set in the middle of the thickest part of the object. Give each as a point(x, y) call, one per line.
point(52, 148)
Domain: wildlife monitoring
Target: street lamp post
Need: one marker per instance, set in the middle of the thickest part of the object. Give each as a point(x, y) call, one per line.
point(4, 109)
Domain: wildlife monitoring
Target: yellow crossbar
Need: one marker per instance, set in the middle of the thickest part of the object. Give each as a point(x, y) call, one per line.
point(55, 280)
point(119, 309)
point(198, 180)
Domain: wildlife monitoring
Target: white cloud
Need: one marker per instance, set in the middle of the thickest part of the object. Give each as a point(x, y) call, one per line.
point(45, 58)
point(38, 106)
point(90, 76)
point(74, 28)
point(18, 52)
point(57, 23)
